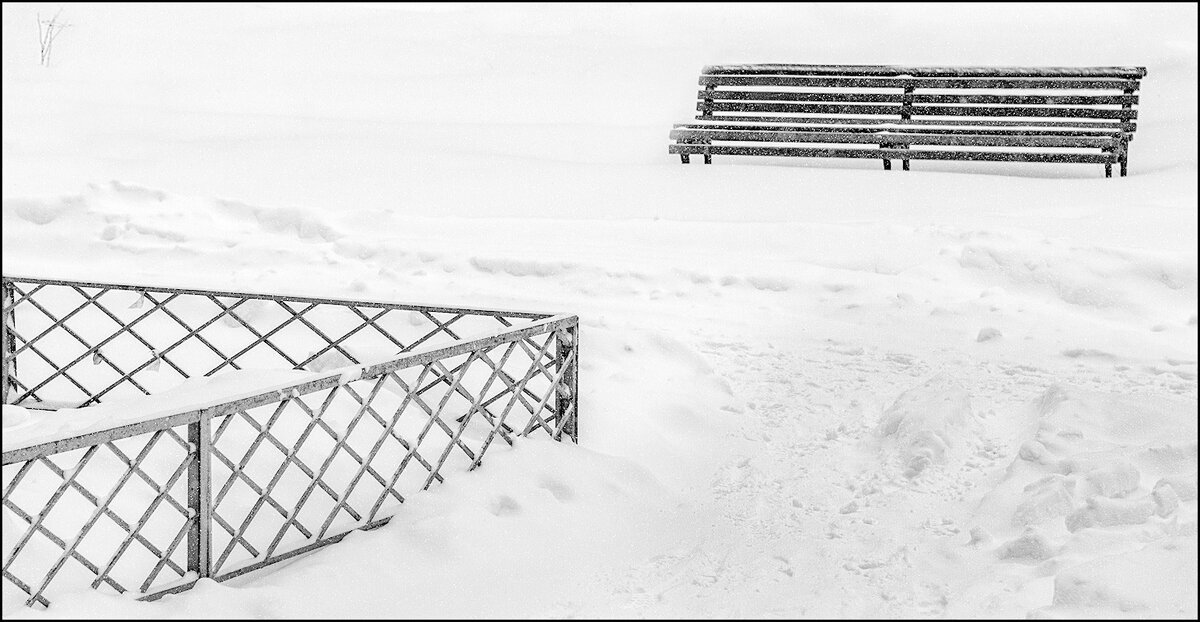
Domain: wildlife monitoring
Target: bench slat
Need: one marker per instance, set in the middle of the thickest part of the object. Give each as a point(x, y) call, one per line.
point(893, 154)
point(1087, 100)
point(966, 140)
point(899, 130)
point(800, 96)
point(944, 111)
point(798, 108)
point(918, 98)
point(926, 72)
point(928, 83)
point(1128, 127)
point(1053, 111)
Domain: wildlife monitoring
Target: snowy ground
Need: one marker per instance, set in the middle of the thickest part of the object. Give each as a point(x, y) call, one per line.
point(809, 388)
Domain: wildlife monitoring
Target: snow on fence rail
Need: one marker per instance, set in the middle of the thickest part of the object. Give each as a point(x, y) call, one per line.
point(222, 463)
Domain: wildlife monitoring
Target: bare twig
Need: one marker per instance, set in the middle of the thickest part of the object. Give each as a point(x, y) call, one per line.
point(47, 36)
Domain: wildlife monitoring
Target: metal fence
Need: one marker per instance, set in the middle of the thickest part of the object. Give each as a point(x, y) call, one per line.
point(387, 399)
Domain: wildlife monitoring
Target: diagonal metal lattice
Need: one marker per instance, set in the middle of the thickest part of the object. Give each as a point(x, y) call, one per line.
point(20, 492)
point(230, 330)
point(222, 490)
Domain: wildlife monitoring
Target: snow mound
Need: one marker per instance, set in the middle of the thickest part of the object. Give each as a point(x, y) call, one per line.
point(988, 333)
point(1044, 499)
point(515, 267)
point(928, 425)
point(1184, 486)
point(1112, 478)
point(293, 221)
point(1029, 547)
point(1104, 512)
point(43, 212)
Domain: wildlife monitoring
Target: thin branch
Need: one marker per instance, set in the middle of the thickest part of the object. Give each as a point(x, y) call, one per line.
point(46, 37)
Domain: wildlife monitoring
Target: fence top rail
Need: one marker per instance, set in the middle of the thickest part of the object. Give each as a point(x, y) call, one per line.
point(925, 72)
point(345, 302)
point(54, 432)
point(119, 420)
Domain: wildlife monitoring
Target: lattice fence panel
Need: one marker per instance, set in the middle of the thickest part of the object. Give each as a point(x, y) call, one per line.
point(288, 474)
point(75, 344)
point(112, 516)
point(415, 395)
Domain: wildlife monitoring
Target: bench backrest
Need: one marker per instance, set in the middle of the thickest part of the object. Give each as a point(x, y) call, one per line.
point(1071, 97)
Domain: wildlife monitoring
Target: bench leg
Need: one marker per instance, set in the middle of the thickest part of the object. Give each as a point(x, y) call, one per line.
point(1108, 170)
point(708, 158)
point(685, 158)
point(887, 165)
point(1123, 155)
point(906, 165)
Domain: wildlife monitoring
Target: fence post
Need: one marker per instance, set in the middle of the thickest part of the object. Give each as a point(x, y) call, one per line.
point(200, 497)
point(9, 346)
point(568, 387)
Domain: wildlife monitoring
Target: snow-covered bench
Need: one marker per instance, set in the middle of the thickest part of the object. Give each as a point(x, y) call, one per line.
point(1021, 114)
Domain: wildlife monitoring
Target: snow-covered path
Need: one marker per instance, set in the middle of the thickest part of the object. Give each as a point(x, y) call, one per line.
point(804, 492)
